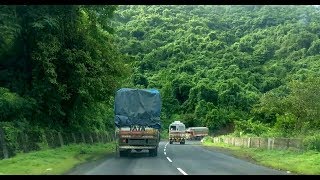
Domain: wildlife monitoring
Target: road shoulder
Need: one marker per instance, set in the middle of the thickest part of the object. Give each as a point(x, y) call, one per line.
point(231, 152)
point(240, 155)
point(89, 164)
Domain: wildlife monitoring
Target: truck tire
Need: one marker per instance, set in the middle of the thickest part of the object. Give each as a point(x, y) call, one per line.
point(124, 153)
point(182, 142)
point(153, 152)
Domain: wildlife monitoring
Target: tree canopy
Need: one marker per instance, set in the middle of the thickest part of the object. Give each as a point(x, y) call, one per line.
point(216, 65)
point(59, 65)
point(251, 66)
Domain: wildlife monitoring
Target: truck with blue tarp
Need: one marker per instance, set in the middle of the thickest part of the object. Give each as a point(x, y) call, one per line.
point(137, 120)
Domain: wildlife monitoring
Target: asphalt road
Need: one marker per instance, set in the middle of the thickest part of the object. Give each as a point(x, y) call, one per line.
point(174, 159)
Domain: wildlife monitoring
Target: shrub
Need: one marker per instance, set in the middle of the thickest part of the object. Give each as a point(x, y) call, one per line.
point(250, 127)
point(285, 124)
point(312, 142)
point(11, 137)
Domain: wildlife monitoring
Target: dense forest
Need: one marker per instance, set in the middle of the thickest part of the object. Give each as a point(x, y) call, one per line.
point(59, 67)
point(255, 68)
point(252, 68)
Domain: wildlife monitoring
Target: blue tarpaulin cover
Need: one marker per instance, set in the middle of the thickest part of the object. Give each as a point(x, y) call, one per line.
point(141, 107)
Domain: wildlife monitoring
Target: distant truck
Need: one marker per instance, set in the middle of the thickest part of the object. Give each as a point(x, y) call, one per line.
point(137, 121)
point(196, 133)
point(177, 132)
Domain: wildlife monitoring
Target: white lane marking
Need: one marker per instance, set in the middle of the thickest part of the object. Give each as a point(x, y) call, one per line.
point(165, 153)
point(184, 173)
point(169, 159)
point(164, 150)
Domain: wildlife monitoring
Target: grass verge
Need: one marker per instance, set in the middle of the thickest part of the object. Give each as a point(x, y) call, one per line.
point(307, 162)
point(164, 134)
point(54, 161)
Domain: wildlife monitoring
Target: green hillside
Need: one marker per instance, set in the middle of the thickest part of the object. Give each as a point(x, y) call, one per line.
point(223, 65)
point(251, 68)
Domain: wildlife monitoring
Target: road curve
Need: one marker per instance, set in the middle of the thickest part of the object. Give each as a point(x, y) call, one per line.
point(174, 159)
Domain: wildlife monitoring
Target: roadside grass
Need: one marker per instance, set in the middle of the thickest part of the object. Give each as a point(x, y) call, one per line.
point(54, 161)
point(164, 135)
point(297, 162)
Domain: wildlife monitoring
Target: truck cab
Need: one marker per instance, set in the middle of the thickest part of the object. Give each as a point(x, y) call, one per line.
point(177, 132)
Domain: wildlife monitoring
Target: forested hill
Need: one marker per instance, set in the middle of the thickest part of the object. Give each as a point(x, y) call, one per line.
point(254, 67)
point(216, 65)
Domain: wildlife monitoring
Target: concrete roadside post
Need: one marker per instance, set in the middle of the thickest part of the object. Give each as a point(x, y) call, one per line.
point(60, 139)
point(3, 144)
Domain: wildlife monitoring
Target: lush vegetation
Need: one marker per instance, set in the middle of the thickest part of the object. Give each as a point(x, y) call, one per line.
point(252, 67)
point(59, 67)
point(296, 162)
point(54, 161)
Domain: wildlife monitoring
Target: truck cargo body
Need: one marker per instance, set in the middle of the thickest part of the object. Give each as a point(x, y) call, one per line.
point(129, 139)
point(137, 120)
point(197, 133)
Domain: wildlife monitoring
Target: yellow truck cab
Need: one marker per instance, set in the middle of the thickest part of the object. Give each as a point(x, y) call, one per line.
point(177, 132)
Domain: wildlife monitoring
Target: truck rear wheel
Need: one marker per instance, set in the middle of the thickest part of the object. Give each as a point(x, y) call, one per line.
point(124, 153)
point(153, 152)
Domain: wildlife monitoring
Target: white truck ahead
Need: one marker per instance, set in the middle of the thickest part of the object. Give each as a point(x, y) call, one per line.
point(177, 132)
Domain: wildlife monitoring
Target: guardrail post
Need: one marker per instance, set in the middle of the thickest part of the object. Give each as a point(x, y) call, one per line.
point(108, 137)
point(102, 137)
point(91, 139)
point(269, 143)
point(98, 138)
point(60, 139)
point(25, 140)
point(4, 145)
point(83, 139)
point(74, 138)
point(272, 146)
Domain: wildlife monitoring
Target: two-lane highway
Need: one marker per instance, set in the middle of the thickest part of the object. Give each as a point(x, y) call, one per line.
point(175, 159)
